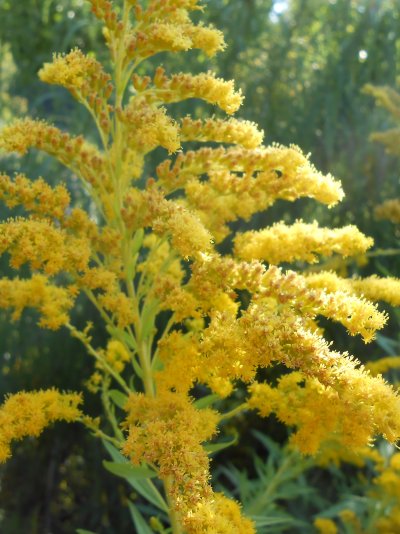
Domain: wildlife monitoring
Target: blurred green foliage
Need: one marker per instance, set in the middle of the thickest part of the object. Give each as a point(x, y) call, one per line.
point(302, 71)
point(302, 65)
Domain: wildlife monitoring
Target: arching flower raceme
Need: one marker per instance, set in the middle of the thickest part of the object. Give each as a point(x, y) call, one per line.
point(184, 311)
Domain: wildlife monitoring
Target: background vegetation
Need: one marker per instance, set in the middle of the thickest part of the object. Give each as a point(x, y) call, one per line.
point(302, 65)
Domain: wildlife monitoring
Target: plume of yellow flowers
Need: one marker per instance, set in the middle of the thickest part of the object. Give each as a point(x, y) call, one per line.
point(27, 414)
point(151, 264)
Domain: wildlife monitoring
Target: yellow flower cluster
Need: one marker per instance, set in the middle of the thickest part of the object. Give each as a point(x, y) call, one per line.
point(165, 9)
point(52, 302)
point(280, 173)
point(390, 99)
point(180, 355)
point(112, 359)
point(148, 126)
point(386, 490)
point(220, 516)
point(166, 218)
point(277, 325)
point(73, 152)
point(104, 10)
point(27, 414)
point(232, 131)
point(116, 355)
point(79, 223)
point(350, 411)
point(161, 26)
point(52, 240)
point(35, 196)
point(160, 259)
point(385, 96)
point(325, 526)
point(299, 242)
point(333, 453)
point(73, 70)
point(43, 246)
point(176, 299)
point(86, 79)
point(98, 278)
point(383, 365)
point(372, 287)
point(179, 87)
point(375, 288)
point(267, 174)
point(158, 434)
point(352, 522)
point(390, 210)
point(357, 314)
point(172, 37)
point(188, 235)
point(119, 305)
point(390, 138)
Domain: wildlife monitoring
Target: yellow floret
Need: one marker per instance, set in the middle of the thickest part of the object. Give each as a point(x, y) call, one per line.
point(300, 242)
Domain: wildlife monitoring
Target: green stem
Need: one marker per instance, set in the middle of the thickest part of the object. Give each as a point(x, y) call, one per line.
point(262, 501)
point(90, 295)
point(110, 413)
point(145, 364)
point(143, 350)
point(103, 139)
point(383, 252)
point(235, 411)
point(173, 516)
point(99, 433)
point(81, 336)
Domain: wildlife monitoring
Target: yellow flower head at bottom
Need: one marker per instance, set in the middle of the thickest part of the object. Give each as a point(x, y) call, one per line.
point(325, 526)
point(27, 414)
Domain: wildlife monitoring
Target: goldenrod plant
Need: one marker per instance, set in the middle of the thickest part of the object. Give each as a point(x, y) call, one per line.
point(148, 256)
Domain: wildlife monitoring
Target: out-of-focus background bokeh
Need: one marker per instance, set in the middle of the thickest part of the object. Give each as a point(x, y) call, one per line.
point(302, 65)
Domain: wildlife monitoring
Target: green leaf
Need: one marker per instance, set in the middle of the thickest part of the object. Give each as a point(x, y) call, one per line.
point(144, 486)
point(271, 521)
point(216, 447)
point(134, 252)
point(119, 398)
point(113, 331)
point(272, 447)
point(128, 471)
point(137, 368)
point(157, 364)
point(352, 502)
point(114, 452)
point(83, 531)
point(137, 241)
point(148, 318)
point(140, 523)
point(148, 490)
point(206, 401)
point(382, 269)
point(387, 344)
point(128, 340)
